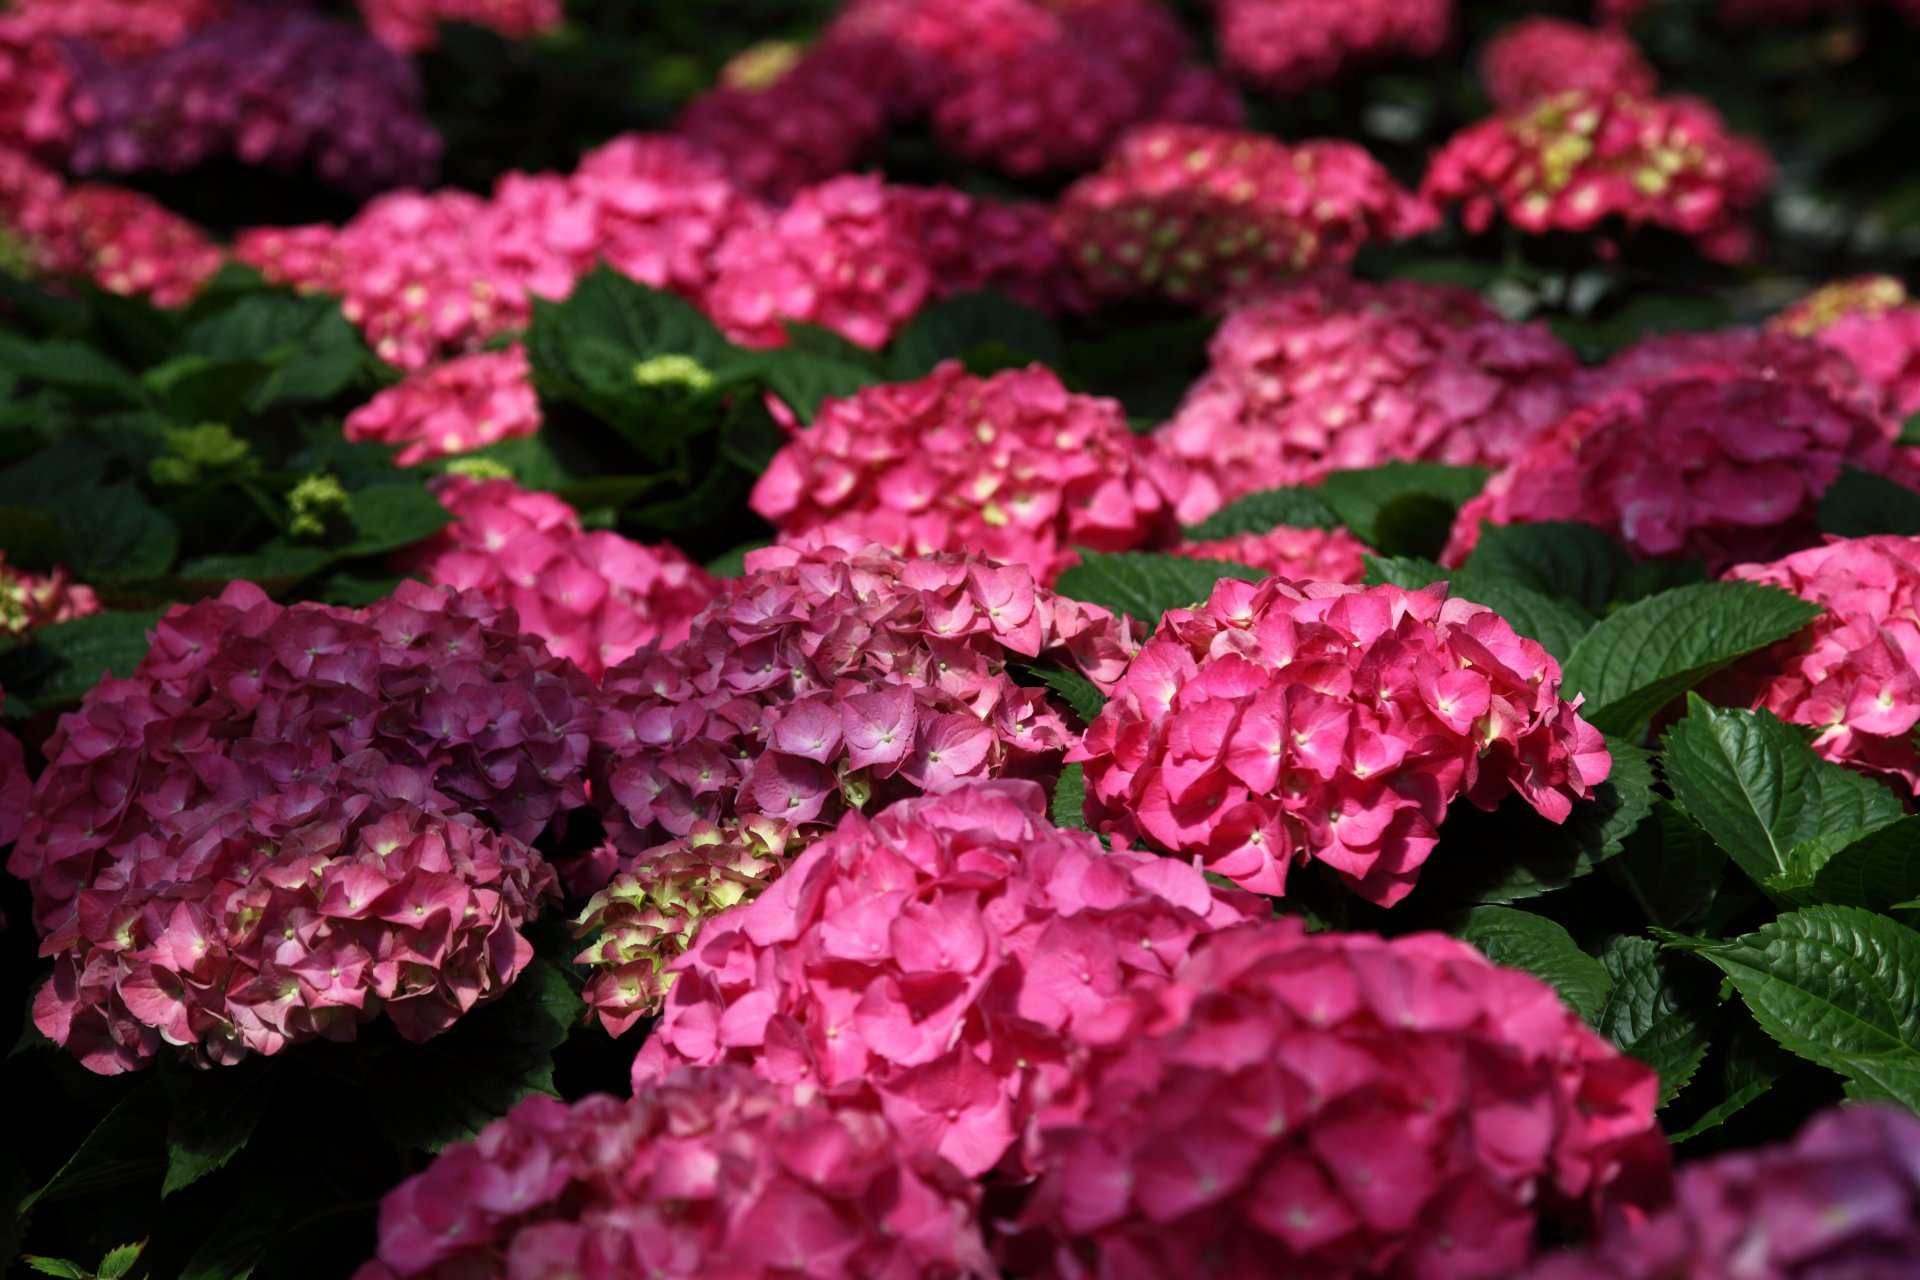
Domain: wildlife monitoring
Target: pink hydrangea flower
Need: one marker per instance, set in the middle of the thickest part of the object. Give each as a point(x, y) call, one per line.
point(1278, 724)
point(240, 699)
point(1539, 57)
point(1713, 445)
point(29, 600)
point(706, 1175)
point(1286, 47)
point(1853, 673)
point(971, 244)
point(39, 111)
point(124, 28)
point(833, 675)
point(1012, 467)
point(253, 924)
point(1198, 214)
point(593, 597)
point(1579, 159)
point(1336, 374)
point(413, 25)
point(1337, 1105)
point(1841, 1199)
point(459, 405)
point(1298, 555)
point(955, 955)
point(1871, 321)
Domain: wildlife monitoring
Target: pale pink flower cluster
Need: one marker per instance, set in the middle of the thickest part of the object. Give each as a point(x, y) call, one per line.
point(1298, 555)
point(705, 1175)
point(1842, 1199)
point(1013, 467)
point(1872, 322)
point(1715, 445)
point(29, 600)
point(836, 673)
point(463, 403)
point(1539, 57)
point(954, 955)
point(1337, 374)
point(1201, 214)
point(412, 25)
point(594, 597)
point(1286, 47)
point(1343, 1105)
point(1580, 159)
point(1853, 673)
point(1279, 724)
point(255, 921)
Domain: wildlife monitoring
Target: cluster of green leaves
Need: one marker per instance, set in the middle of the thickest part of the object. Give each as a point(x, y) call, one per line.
point(1730, 908)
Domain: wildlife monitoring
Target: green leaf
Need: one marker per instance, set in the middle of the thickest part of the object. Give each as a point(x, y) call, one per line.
point(214, 1113)
point(1144, 586)
point(119, 1262)
point(31, 542)
point(1522, 940)
point(965, 324)
point(195, 388)
point(1402, 508)
point(1070, 799)
point(1779, 810)
point(128, 1145)
point(1649, 653)
point(70, 462)
point(1753, 1065)
point(1270, 509)
point(611, 323)
point(446, 1090)
point(1837, 986)
point(1078, 692)
point(85, 650)
point(1558, 627)
point(1860, 504)
point(1880, 870)
point(1573, 562)
point(1910, 431)
point(815, 364)
point(75, 368)
point(1656, 1011)
point(111, 532)
point(57, 1267)
point(312, 351)
point(1672, 867)
point(274, 566)
point(733, 564)
point(387, 517)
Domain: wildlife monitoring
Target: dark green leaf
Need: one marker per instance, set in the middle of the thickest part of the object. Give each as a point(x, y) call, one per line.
point(1910, 431)
point(962, 325)
point(1860, 503)
point(732, 564)
point(1078, 692)
point(214, 1113)
point(1522, 940)
point(119, 1262)
point(608, 492)
point(70, 462)
point(57, 1267)
point(1402, 508)
point(387, 517)
point(111, 532)
point(1881, 870)
point(1671, 866)
point(194, 388)
point(1566, 561)
point(31, 542)
point(128, 1145)
point(1070, 799)
point(310, 349)
point(1656, 1011)
point(1261, 512)
point(274, 567)
point(79, 370)
point(1144, 586)
point(85, 650)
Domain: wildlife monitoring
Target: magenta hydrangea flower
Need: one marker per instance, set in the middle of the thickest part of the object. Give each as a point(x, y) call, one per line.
point(273, 86)
point(39, 103)
point(125, 28)
point(250, 923)
point(971, 244)
point(955, 955)
point(1579, 159)
point(413, 25)
point(1298, 555)
point(456, 406)
point(1871, 321)
point(1540, 57)
point(29, 600)
point(1286, 47)
point(837, 674)
point(1012, 467)
point(1278, 724)
point(1337, 1105)
point(593, 597)
point(1336, 374)
point(240, 699)
point(1840, 1200)
point(705, 1175)
point(1713, 445)
point(1200, 214)
point(1853, 673)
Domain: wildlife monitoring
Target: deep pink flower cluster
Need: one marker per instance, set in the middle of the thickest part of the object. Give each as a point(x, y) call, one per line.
point(1578, 159)
point(1287, 47)
point(1841, 1200)
point(124, 28)
point(593, 597)
point(956, 955)
point(1853, 674)
point(1339, 1105)
point(706, 1175)
point(412, 25)
point(1199, 214)
point(1012, 467)
point(240, 699)
point(1872, 322)
point(29, 600)
point(1298, 555)
point(459, 405)
point(833, 674)
point(1336, 374)
point(38, 110)
point(252, 921)
point(1714, 445)
point(121, 240)
point(1540, 57)
point(16, 787)
point(1277, 724)
point(271, 86)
